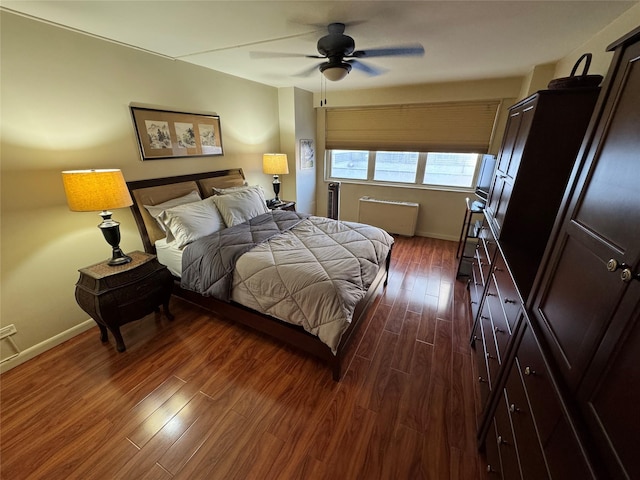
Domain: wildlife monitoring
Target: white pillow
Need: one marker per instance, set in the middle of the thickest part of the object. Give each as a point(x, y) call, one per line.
point(224, 191)
point(191, 221)
point(240, 206)
point(156, 210)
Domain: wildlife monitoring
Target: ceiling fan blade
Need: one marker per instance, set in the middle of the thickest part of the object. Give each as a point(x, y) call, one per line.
point(309, 71)
point(407, 50)
point(368, 69)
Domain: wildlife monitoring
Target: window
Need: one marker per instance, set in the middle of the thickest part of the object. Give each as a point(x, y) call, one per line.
point(450, 169)
point(440, 169)
point(395, 167)
point(349, 164)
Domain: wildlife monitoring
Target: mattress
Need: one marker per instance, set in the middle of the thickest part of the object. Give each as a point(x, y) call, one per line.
point(170, 256)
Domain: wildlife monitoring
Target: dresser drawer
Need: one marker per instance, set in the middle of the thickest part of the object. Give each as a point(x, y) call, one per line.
point(493, 468)
point(562, 451)
point(491, 350)
point(529, 449)
point(507, 444)
point(477, 341)
point(501, 329)
point(542, 396)
point(508, 294)
point(476, 288)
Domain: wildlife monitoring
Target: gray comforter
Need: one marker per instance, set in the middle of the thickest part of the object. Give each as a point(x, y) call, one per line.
point(208, 263)
point(306, 270)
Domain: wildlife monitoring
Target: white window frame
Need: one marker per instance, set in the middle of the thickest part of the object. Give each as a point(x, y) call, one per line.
point(417, 182)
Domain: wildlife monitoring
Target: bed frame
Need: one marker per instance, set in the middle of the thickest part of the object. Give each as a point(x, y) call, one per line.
point(159, 190)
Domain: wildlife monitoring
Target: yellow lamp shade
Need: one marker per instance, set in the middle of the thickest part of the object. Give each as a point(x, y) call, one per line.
point(95, 190)
point(275, 163)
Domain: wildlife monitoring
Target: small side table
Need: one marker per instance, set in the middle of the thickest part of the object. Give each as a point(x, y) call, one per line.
point(285, 205)
point(113, 296)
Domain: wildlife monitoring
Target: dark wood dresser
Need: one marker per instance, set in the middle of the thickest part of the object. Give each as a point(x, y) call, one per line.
point(113, 296)
point(557, 334)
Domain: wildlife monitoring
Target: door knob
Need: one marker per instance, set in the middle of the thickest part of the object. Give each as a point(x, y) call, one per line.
point(627, 275)
point(613, 265)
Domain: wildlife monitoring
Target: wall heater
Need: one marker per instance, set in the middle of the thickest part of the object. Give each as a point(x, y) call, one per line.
point(333, 200)
point(394, 217)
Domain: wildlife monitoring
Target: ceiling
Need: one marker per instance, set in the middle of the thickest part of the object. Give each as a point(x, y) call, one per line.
point(463, 40)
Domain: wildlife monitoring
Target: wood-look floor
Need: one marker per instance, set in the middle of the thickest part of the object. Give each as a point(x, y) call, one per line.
point(202, 398)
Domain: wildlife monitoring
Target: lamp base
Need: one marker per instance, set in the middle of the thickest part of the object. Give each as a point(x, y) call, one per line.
point(118, 258)
point(276, 189)
point(111, 232)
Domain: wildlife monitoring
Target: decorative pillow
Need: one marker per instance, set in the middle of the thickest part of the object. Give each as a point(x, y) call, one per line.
point(156, 210)
point(240, 206)
point(224, 191)
point(191, 221)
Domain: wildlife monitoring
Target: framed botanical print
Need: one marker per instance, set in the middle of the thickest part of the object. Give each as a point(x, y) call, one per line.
point(307, 154)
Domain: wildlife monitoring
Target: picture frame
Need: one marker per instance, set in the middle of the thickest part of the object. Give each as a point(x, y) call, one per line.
point(307, 154)
point(165, 134)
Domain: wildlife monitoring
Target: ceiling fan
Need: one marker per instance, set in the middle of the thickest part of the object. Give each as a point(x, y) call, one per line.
point(339, 51)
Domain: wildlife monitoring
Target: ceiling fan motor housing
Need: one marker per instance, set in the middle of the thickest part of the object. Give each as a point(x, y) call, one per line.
point(336, 45)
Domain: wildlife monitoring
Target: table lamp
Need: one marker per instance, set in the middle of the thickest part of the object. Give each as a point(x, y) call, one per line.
point(99, 191)
point(275, 164)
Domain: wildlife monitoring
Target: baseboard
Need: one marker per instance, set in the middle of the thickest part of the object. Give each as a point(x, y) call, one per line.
point(439, 236)
point(48, 344)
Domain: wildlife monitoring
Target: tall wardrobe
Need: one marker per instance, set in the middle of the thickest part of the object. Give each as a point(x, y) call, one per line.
point(557, 284)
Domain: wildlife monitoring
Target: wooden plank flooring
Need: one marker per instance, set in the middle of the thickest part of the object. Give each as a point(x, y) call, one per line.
point(203, 398)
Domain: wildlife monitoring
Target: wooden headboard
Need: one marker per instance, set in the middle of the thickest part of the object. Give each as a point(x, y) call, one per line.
point(159, 190)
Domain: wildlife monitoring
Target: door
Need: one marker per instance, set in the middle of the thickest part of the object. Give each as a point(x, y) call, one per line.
point(518, 127)
point(583, 292)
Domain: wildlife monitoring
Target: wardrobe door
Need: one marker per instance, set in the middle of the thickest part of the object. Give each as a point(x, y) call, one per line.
point(610, 393)
point(597, 250)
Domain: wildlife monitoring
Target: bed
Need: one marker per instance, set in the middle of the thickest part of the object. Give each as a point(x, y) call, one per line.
point(275, 271)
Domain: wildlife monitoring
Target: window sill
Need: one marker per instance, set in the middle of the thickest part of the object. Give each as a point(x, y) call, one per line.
point(410, 186)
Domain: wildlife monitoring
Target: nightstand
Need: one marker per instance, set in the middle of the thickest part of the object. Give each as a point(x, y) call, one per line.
point(284, 205)
point(113, 296)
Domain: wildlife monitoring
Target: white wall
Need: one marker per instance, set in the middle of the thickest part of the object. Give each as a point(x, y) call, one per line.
point(599, 43)
point(297, 121)
point(65, 105)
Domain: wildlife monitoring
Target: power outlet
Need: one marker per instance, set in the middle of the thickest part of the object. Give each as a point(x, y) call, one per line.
point(7, 331)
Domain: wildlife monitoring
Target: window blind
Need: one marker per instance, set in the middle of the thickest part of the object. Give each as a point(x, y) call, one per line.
point(435, 127)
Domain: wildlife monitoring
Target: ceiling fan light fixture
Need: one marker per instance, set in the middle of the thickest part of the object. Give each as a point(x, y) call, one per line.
point(335, 72)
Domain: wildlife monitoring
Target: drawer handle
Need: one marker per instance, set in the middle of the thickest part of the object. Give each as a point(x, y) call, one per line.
point(514, 409)
point(491, 356)
point(507, 300)
point(478, 283)
point(489, 294)
point(482, 380)
point(529, 371)
point(475, 338)
point(490, 469)
point(497, 269)
point(484, 317)
point(498, 330)
point(473, 302)
point(502, 441)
